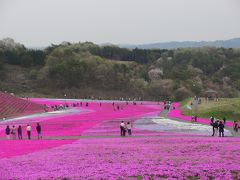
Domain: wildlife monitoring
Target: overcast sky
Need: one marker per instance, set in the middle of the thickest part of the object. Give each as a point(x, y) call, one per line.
point(42, 22)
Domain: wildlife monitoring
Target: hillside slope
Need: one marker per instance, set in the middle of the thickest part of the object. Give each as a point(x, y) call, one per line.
point(225, 107)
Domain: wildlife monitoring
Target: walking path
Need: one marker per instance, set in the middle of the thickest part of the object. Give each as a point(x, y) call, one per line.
point(176, 114)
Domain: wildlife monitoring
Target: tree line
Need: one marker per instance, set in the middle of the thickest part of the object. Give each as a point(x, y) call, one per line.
point(152, 73)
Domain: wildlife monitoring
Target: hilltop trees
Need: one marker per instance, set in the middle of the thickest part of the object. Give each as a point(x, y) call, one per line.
point(142, 56)
point(24, 57)
point(152, 74)
point(66, 69)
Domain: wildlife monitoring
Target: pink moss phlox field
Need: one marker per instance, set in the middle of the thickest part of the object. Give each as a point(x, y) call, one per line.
point(126, 158)
point(9, 148)
point(177, 113)
point(73, 124)
point(99, 154)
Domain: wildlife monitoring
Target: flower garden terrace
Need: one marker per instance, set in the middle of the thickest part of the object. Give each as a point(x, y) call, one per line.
point(85, 143)
point(14, 106)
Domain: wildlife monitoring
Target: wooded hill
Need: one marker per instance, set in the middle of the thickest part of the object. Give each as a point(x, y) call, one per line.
point(86, 69)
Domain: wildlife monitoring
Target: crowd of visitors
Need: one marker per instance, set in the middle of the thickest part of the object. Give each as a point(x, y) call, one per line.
point(111, 98)
point(58, 107)
point(12, 132)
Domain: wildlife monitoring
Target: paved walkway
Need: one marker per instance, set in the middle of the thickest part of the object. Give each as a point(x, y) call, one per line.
point(164, 114)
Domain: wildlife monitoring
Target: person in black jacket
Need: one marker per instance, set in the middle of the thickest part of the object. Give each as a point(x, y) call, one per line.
point(215, 127)
point(19, 132)
point(39, 130)
point(221, 129)
point(211, 123)
point(195, 118)
point(235, 126)
point(8, 130)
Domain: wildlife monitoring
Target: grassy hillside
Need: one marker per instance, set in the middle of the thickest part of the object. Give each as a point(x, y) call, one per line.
point(227, 107)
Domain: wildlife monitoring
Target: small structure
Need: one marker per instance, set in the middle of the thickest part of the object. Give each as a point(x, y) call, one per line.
point(211, 95)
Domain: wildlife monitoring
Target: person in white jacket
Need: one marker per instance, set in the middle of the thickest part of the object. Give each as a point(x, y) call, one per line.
point(29, 128)
point(129, 128)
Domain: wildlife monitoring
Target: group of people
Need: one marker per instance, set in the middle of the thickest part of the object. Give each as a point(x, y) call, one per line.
point(167, 105)
point(194, 118)
point(12, 132)
point(110, 98)
point(117, 107)
point(58, 107)
point(218, 126)
point(125, 128)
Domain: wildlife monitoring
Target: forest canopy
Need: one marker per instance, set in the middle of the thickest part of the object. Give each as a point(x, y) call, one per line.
point(152, 74)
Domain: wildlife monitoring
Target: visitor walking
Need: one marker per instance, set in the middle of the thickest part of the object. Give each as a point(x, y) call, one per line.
point(39, 130)
point(215, 127)
point(13, 132)
point(29, 128)
point(7, 131)
point(192, 119)
point(221, 129)
point(129, 128)
point(19, 132)
point(122, 129)
point(235, 126)
point(195, 118)
point(211, 123)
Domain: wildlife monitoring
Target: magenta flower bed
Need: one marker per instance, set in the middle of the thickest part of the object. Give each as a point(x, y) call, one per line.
point(70, 125)
point(74, 124)
point(125, 158)
point(9, 148)
point(102, 155)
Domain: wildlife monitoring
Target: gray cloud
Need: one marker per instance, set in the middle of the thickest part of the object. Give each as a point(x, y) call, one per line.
point(42, 22)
